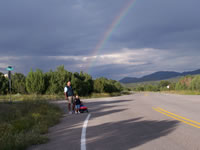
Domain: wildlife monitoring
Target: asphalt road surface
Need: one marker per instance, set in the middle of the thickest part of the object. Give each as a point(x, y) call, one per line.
point(142, 121)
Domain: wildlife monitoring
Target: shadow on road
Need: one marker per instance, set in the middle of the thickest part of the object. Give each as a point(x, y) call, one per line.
point(127, 134)
point(117, 135)
point(67, 134)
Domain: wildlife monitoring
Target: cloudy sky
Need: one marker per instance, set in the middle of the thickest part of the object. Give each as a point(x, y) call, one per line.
point(151, 35)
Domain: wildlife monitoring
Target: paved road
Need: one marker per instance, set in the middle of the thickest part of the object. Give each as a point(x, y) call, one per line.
point(143, 121)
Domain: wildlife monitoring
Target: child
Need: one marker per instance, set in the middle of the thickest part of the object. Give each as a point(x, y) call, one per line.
point(77, 103)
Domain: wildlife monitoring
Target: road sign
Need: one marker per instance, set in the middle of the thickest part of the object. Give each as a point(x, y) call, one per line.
point(9, 68)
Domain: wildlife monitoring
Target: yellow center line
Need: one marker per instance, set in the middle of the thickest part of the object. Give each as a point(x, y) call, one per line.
point(156, 109)
point(179, 116)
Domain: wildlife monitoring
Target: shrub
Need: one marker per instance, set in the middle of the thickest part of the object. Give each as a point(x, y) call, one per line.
point(19, 83)
point(23, 124)
point(184, 83)
point(35, 82)
point(3, 84)
point(195, 83)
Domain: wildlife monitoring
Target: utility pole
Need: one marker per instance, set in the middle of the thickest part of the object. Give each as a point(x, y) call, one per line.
point(9, 69)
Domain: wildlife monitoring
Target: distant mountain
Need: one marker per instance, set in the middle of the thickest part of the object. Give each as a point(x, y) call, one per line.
point(129, 80)
point(161, 75)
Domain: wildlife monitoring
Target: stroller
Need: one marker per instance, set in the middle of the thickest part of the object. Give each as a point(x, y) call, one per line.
point(83, 108)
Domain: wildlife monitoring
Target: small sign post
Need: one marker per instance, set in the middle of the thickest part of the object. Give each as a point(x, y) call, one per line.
point(9, 69)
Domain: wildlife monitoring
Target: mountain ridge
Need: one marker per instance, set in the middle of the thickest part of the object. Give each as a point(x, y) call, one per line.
point(156, 76)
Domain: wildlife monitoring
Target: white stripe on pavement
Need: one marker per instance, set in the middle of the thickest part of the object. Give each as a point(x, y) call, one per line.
point(83, 135)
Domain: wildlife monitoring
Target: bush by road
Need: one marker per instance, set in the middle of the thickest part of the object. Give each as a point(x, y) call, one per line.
point(24, 123)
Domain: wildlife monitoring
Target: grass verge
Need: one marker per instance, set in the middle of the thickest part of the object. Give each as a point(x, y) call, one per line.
point(183, 92)
point(30, 97)
point(100, 95)
point(24, 123)
point(22, 97)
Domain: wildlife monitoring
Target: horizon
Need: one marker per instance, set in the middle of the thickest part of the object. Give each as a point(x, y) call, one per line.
point(163, 71)
point(6, 73)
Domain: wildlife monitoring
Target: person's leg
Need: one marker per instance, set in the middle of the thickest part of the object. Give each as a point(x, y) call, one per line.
point(75, 108)
point(69, 107)
point(78, 108)
point(69, 104)
point(73, 105)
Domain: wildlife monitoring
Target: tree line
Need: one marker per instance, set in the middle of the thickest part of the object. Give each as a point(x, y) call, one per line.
point(189, 82)
point(161, 86)
point(53, 82)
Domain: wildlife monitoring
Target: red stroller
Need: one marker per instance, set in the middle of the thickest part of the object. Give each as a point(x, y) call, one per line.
point(83, 108)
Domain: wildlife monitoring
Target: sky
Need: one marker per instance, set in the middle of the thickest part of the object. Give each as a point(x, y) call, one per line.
point(109, 38)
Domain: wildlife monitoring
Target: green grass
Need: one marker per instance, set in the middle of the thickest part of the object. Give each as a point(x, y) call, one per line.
point(24, 123)
point(134, 85)
point(183, 92)
point(22, 97)
point(101, 95)
point(30, 97)
point(25, 120)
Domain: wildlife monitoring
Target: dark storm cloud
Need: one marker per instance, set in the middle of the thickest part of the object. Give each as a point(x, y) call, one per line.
point(41, 27)
point(33, 30)
point(160, 24)
point(53, 27)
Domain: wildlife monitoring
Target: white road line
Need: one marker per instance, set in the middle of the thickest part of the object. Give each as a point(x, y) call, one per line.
point(83, 135)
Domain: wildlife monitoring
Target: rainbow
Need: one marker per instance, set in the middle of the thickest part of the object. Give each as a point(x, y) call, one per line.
point(116, 21)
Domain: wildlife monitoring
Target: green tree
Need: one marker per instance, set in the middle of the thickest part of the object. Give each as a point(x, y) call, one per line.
point(172, 86)
point(163, 84)
point(3, 84)
point(19, 83)
point(99, 85)
point(35, 82)
point(118, 86)
point(150, 88)
point(57, 80)
point(184, 83)
point(195, 84)
point(88, 81)
point(109, 86)
point(82, 83)
point(140, 88)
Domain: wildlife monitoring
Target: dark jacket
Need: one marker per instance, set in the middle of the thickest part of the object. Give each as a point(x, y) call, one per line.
point(77, 101)
point(70, 91)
